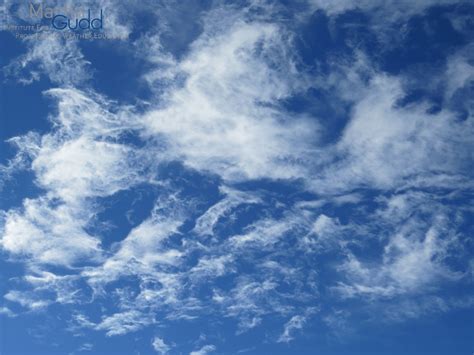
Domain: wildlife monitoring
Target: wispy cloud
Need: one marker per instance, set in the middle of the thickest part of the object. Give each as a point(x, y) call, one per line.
point(206, 349)
point(160, 346)
point(382, 208)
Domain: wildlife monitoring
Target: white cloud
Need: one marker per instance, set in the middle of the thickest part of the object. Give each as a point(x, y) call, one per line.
point(324, 226)
point(6, 312)
point(248, 301)
point(409, 264)
point(73, 165)
point(384, 145)
point(124, 322)
point(65, 286)
point(233, 198)
point(266, 232)
point(94, 169)
point(160, 346)
point(26, 147)
point(221, 120)
point(221, 113)
point(26, 299)
point(86, 347)
point(206, 349)
point(213, 266)
point(49, 233)
point(60, 60)
point(142, 250)
point(295, 323)
point(460, 71)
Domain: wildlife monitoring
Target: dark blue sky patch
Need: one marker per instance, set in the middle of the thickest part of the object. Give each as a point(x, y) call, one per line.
point(315, 42)
point(183, 25)
point(117, 71)
point(23, 109)
point(11, 48)
point(17, 187)
point(123, 211)
point(330, 112)
point(428, 40)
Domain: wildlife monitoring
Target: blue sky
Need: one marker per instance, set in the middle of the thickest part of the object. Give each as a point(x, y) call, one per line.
point(226, 177)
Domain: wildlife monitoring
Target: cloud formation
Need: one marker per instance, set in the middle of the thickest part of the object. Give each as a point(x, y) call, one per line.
point(254, 216)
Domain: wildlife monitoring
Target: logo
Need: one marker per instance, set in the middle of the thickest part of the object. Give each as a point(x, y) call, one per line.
point(67, 18)
point(60, 22)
